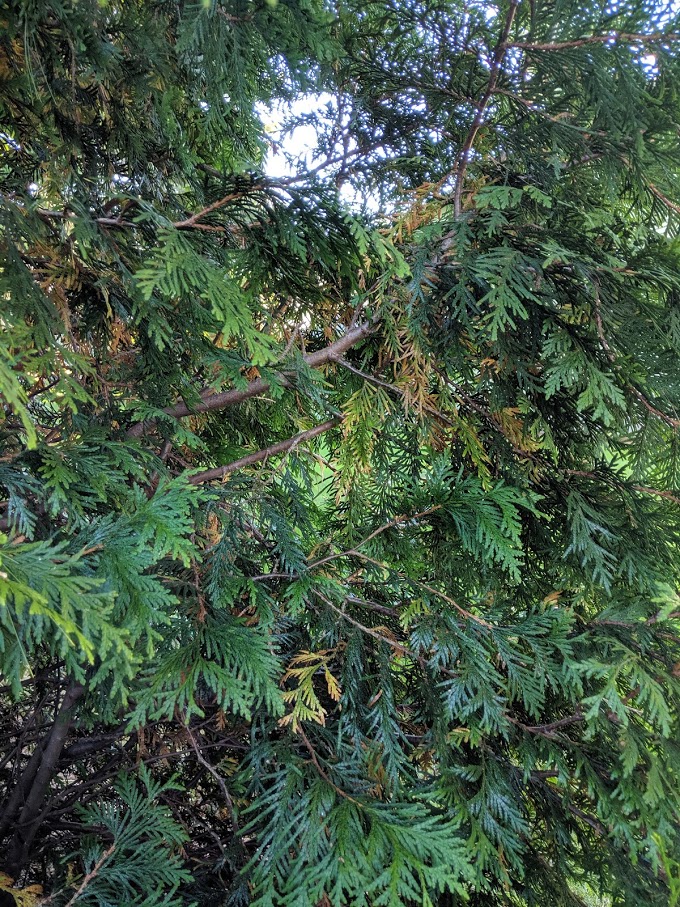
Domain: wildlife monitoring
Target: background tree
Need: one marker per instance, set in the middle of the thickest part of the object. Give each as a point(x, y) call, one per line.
point(339, 550)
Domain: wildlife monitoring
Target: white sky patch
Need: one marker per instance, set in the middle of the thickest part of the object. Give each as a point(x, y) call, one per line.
point(292, 152)
point(650, 64)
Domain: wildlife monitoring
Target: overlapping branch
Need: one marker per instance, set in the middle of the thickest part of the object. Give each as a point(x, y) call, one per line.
point(258, 386)
point(219, 472)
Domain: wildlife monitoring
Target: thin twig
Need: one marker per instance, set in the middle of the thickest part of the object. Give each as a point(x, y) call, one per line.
point(378, 382)
point(320, 770)
point(369, 631)
point(494, 72)
point(431, 589)
point(257, 456)
point(645, 489)
point(612, 37)
point(91, 874)
point(657, 492)
point(664, 198)
point(216, 775)
point(86, 881)
point(220, 203)
point(401, 518)
point(232, 397)
point(546, 730)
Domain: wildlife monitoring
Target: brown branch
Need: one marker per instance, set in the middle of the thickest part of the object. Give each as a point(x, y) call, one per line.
point(369, 631)
point(259, 385)
point(494, 73)
point(83, 748)
point(468, 615)
point(491, 89)
point(654, 189)
point(348, 552)
point(115, 222)
point(343, 159)
point(645, 489)
point(280, 447)
point(668, 495)
point(119, 221)
point(597, 39)
point(372, 632)
point(372, 606)
point(561, 119)
point(220, 203)
point(547, 730)
point(354, 552)
point(664, 198)
point(594, 823)
point(467, 401)
point(91, 874)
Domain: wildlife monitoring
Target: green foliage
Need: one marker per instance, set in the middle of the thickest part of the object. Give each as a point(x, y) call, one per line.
point(340, 511)
point(141, 865)
point(420, 855)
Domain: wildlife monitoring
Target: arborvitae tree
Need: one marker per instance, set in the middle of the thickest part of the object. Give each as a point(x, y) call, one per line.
point(339, 549)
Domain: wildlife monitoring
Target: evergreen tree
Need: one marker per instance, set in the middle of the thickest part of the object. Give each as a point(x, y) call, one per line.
point(339, 549)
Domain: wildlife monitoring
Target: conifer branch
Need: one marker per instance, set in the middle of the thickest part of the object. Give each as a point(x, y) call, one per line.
point(468, 615)
point(662, 197)
point(225, 399)
point(91, 875)
point(354, 550)
point(393, 389)
point(611, 38)
point(637, 393)
point(192, 221)
point(594, 823)
point(659, 493)
point(133, 266)
point(547, 730)
point(644, 489)
point(369, 631)
point(280, 447)
point(317, 765)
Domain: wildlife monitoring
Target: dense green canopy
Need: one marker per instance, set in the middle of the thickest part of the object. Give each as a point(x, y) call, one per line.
point(340, 511)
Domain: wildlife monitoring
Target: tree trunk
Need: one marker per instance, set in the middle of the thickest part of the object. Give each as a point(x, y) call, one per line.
point(33, 785)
